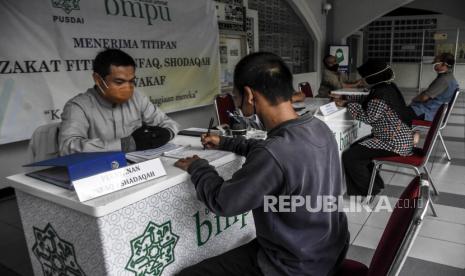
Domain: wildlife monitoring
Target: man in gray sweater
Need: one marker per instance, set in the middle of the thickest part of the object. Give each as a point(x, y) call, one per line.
point(298, 159)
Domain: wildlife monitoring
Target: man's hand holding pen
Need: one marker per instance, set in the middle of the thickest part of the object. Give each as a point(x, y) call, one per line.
point(210, 141)
point(210, 125)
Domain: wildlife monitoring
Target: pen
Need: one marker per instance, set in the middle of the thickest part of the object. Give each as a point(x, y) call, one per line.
point(209, 128)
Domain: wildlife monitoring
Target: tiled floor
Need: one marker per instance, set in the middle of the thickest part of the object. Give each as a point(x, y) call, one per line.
point(438, 250)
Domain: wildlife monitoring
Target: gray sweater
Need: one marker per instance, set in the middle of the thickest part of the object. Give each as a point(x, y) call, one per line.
point(299, 157)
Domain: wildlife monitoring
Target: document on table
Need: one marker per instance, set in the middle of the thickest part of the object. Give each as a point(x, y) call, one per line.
point(189, 151)
point(144, 155)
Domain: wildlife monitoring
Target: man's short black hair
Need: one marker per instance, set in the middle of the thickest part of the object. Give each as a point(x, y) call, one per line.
point(267, 73)
point(447, 58)
point(108, 57)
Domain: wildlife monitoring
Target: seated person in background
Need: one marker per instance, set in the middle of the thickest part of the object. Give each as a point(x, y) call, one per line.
point(333, 79)
point(385, 110)
point(440, 91)
point(299, 158)
point(111, 116)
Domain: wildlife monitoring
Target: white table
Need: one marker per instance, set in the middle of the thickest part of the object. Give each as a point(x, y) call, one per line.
point(156, 226)
point(346, 130)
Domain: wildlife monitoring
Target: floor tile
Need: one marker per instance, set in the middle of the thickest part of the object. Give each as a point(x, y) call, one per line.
point(353, 230)
point(9, 213)
point(401, 179)
point(453, 146)
point(24, 269)
point(417, 267)
point(359, 216)
point(8, 233)
point(456, 119)
point(449, 178)
point(14, 253)
point(379, 219)
point(442, 230)
point(448, 213)
point(438, 251)
point(433, 250)
point(458, 110)
point(411, 267)
point(368, 237)
point(360, 254)
point(5, 271)
point(453, 131)
point(405, 171)
point(386, 175)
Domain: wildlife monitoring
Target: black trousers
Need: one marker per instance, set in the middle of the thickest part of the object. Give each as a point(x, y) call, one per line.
point(358, 167)
point(241, 261)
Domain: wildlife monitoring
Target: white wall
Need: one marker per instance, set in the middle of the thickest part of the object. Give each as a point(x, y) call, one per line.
point(453, 8)
point(310, 14)
point(350, 16)
point(407, 75)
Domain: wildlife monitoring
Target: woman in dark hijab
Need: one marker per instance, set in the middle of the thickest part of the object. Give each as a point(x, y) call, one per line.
point(391, 134)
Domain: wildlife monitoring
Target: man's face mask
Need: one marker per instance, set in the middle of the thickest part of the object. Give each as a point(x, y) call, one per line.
point(118, 86)
point(334, 67)
point(437, 67)
point(253, 120)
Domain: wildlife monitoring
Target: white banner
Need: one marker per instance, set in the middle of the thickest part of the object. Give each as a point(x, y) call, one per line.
point(48, 46)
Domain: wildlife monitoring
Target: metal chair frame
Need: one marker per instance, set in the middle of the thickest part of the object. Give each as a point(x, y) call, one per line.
point(379, 163)
point(444, 123)
point(414, 228)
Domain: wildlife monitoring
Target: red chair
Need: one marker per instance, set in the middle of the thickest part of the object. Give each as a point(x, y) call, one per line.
point(421, 124)
point(223, 104)
point(417, 160)
point(398, 236)
point(305, 88)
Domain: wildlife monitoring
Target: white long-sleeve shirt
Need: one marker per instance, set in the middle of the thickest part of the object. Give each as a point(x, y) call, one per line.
point(91, 124)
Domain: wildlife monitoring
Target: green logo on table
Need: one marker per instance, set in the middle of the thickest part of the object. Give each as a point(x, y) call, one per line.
point(55, 255)
point(152, 251)
point(66, 5)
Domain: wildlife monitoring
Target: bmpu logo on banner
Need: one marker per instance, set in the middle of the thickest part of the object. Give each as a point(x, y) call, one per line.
point(66, 5)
